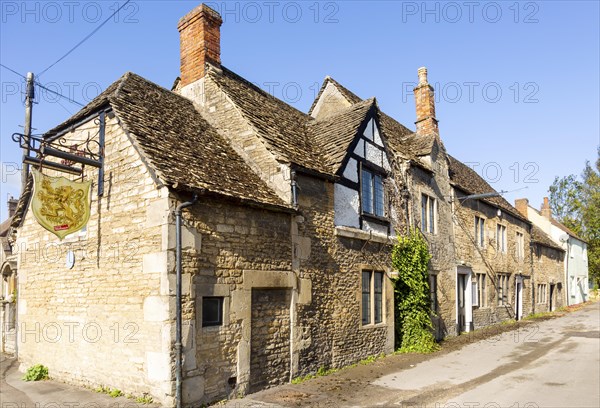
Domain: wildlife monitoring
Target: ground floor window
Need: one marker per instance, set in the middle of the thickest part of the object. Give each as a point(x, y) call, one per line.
point(503, 284)
point(212, 311)
point(480, 290)
point(541, 293)
point(372, 297)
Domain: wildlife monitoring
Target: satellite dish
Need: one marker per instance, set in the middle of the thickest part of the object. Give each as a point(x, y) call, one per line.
point(564, 238)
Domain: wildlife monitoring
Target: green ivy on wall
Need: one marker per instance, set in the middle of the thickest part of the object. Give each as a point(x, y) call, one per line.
point(410, 258)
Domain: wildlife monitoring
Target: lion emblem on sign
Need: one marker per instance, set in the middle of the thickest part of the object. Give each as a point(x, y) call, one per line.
point(60, 205)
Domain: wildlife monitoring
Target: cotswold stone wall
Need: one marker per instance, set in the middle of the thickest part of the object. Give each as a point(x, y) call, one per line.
point(107, 320)
point(242, 248)
point(330, 328)
point(441, 243)
point(548, 269)
point(489, 261)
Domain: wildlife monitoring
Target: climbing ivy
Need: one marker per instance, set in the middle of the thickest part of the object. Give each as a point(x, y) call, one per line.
point(410, 257)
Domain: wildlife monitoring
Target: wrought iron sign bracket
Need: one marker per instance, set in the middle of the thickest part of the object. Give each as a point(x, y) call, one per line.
point(89, 152)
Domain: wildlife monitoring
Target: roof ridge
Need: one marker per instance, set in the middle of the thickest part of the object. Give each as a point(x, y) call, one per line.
point(362, 104)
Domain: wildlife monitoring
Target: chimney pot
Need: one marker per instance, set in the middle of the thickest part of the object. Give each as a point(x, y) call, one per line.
point(422, 72)
point(12, 206)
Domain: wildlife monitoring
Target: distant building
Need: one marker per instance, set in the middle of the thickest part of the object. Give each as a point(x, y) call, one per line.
point(576, 276)
point(8, 282)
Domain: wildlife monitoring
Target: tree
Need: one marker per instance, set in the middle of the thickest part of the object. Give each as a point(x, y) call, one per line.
point(576, 204)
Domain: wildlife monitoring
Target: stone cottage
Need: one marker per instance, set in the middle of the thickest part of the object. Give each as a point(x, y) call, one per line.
point(574, 279)
point(286, 237)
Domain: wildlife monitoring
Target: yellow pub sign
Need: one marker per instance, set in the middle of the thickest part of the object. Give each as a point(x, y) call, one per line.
point(60, 205)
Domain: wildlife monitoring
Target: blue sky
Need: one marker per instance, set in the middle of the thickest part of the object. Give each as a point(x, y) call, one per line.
point(517, 83)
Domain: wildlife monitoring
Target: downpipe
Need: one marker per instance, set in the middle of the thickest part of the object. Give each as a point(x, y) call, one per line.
point(178, 261)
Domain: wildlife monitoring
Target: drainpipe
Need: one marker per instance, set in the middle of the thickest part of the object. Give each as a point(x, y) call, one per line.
point(178, 345)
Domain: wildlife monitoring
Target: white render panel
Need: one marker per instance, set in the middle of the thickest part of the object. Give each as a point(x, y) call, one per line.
point(359, 150)
point(377, 137)
point(372, 226)
point(346, 206)
point(374, 155)
point(369, 130)
point(351, 170)
point(386, 163)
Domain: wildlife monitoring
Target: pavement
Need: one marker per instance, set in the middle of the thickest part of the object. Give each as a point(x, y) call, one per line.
point(553, 363)
point(16, 393)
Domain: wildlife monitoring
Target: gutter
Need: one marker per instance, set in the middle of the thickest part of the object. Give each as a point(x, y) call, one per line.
point(178, 296)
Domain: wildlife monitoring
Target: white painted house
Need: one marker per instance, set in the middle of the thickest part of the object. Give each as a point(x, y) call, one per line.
point(576, 258)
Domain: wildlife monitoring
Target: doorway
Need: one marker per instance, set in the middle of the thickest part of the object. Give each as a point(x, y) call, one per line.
point(519, 298)
point(464, 300)
point(551, 305)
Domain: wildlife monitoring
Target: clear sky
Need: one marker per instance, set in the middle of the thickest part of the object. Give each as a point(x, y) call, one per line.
point(517, 83)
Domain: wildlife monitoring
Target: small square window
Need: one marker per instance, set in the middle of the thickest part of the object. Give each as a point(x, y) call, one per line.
point(212, 311)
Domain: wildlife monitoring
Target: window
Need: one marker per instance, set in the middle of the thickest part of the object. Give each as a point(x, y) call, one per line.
point(480, 231)
point(479, 290)
point(433, 293)
point(501, 238)
point(372, 193)
point(520, 251)
point(372, 297)
point(428, 213)
point(503, 289)
point(541, 295)
point(212, 311)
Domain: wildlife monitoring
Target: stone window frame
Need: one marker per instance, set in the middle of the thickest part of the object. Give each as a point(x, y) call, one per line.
point(480, 232)
point(480, 290)
point(520, 245)
point(372, 271)
point(433, 288)
point(503, 289)
point(213, 290)
point(500, 227)
point(542, 291)
point(430, 199)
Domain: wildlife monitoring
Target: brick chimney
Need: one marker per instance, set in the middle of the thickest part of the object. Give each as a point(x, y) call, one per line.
point(425, 103)
point(200, 39)
point(546, 211)
point(521, 205)
point(12, 206)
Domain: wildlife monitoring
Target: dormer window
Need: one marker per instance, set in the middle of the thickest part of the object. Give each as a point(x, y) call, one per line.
point(372, 193)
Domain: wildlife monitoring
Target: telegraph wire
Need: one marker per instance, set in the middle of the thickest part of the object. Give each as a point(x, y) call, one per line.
point(84, 39)
point(42, 86)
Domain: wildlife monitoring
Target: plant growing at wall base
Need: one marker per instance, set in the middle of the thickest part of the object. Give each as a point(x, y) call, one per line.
point(36, 373)
point(410, 257)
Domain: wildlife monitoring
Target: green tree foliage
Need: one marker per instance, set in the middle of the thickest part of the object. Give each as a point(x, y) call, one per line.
point(410, 257)
point(576, 204)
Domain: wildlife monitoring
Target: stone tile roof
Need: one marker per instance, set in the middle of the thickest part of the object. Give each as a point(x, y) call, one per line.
point(5, 226)
point(395, 133)
point(418, 145)
point(334, 134)
point(179, 144)
point(539, 237)
point(280, 126)
point(470, 182)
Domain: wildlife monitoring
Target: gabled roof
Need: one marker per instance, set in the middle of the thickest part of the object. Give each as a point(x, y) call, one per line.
point(467, 179)
point(351, 97)
point(394, 132)
point(281, 127)
point(178, 143)
point(334, 134)
point(539, 237)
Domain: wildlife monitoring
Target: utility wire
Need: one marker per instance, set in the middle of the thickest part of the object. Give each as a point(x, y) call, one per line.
point(38, 83)
point(85, 39)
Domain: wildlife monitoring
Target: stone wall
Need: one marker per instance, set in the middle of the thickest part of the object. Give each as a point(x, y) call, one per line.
point(548, 267)
point(106, 321)
point(489, 261)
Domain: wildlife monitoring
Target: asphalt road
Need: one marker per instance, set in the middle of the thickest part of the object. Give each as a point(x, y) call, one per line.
point(551, 364)
point(554, 363)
